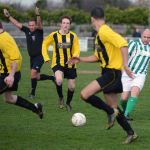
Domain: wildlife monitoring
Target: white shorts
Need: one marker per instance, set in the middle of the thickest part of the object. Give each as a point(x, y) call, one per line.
point(128, 82)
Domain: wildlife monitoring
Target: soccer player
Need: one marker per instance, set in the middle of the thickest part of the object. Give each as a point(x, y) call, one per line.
point(110, 48)
point(65, 45)
point(10, 63)
point(34, 38)
point(139, 56)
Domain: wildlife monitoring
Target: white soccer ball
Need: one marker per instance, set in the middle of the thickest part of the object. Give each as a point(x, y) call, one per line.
point(78, 119)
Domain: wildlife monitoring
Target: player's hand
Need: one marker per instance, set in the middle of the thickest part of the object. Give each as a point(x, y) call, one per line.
point(122, 71)
point(9, 80)
point(73, 60)
point(37, 11)
point(48, 62)
point(6, 13)
point(129, 72)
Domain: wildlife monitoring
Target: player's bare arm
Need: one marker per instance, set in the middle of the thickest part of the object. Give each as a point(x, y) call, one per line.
point(75, 59)
point(48, 62)
point(124, 51)
point(39, 26)
point(9, 80)
point(15, 22)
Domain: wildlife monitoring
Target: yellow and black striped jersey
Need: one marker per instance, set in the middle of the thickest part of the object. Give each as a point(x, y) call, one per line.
point(9, 52)
point(65, 46)
point(107, 49)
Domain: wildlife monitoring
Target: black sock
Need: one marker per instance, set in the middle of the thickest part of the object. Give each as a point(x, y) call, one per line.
point(25, 104)
point(33, 84)
point(59, 90)
point(69, 96)
point(46, 77)
point(98, 103)
point(123, 122)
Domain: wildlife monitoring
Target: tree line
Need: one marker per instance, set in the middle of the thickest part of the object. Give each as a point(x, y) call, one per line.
point(138, 15)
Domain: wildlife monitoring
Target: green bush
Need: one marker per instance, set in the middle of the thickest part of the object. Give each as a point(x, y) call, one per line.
point(130, 15)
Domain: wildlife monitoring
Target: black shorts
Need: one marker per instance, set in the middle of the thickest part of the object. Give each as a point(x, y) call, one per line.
point(69, 73)
point(110, 81)
point(36, 62)
point(3, 85)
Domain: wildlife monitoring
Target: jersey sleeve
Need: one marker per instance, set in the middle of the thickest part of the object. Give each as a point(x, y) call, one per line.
point(107, 35)
point(46, 43)
point(24, 29)
point(96, 54)
point(95, 42)
point(76, 46)
point(41, 31)
point(11, 49)
point(131, 47)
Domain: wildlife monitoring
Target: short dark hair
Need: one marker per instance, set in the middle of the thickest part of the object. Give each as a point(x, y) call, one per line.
point(1, 25)
point(32, 20)
point(67, 17)
point(97, 13)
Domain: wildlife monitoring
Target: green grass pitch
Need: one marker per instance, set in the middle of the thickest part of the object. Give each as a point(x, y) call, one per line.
point(20, 129)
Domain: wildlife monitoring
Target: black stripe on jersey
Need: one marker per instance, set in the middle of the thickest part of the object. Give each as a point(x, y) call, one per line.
point(13, 59)
point(71, 41)
point(99, 57)
point(3, 62)
point(104, 53)
point(57, 50)
point(64, 50)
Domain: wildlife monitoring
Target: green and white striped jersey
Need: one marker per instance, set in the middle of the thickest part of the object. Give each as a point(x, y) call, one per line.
point(139, 56)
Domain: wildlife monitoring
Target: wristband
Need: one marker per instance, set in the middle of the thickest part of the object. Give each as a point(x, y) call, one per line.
point(8, 16)
point(38, 15)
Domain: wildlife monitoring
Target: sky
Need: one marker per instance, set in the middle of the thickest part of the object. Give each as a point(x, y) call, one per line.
point(31, 2)
point(24, 2)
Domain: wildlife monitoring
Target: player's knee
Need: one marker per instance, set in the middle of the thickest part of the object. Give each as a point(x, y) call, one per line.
point(33, 74)
point(38, 78)
point(83, 96)
point(59, 81)
point(7, 100)
point(72, 87)
point(124, 99)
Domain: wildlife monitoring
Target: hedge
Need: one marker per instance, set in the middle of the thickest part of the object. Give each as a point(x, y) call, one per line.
point(130, 15)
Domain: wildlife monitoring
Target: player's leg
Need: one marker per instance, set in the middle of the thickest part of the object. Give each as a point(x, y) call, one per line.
point(70, 74)
point(45, 77)
point(71, 89)
point(131, 135)
point(126, 84)
point(120, 118)
point(39, 63)
point(123, 99)
point(58, 75)
point(34, 70)
point(87, 94)
point(136, 86)
point(33, 83)
point(111, 100)
point(132, 100)
point(19, 101)
point(35, 65)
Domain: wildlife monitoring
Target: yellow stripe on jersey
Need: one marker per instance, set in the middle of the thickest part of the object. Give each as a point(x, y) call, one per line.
point(9, 52)
point(64, 47)
point(108, 44)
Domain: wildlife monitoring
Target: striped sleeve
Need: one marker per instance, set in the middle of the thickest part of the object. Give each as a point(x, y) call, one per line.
point(131, 47)
point(76, 46)
point(11, 49)
point(45, 45)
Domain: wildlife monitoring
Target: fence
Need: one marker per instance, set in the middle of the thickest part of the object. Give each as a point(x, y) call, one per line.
point(86, 43)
